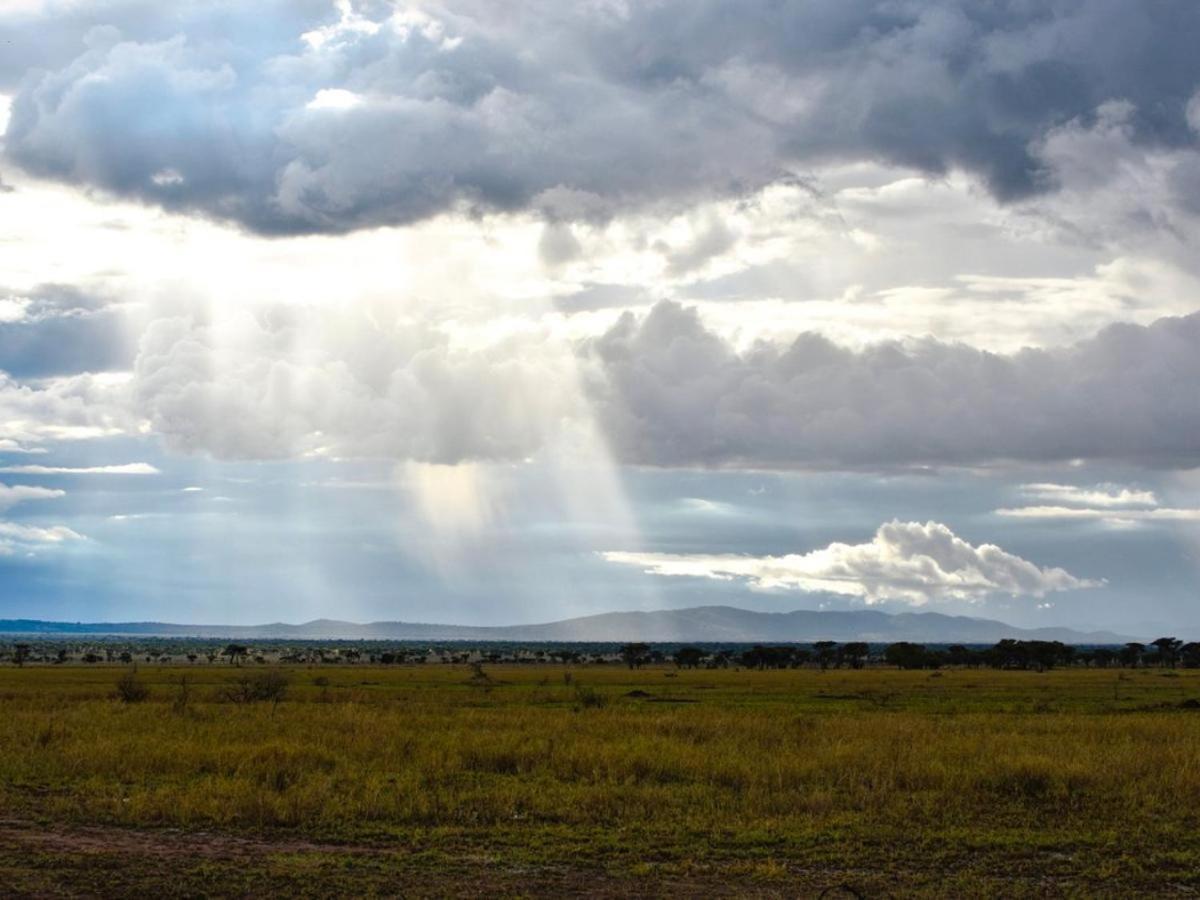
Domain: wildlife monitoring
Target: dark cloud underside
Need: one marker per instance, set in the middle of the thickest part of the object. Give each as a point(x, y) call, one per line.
point(576, 110)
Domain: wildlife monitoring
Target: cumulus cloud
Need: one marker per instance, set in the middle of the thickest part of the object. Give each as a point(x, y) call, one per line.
point(76, 407)
point(320, 121)
point(350, 382)
point(663, 390)
point(669, 391)
point(905, 561)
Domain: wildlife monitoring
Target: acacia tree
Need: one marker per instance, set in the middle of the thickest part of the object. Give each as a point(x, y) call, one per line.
point(1168, 650)
point(20, 653)
point(825, 653)
point(236, 652)
point(635, 655)
point(855, 653)
point(1131, 654)
point(688, 657)
point(906, 655)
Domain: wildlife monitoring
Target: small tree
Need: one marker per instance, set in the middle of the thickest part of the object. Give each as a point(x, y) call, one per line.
point(20, 654)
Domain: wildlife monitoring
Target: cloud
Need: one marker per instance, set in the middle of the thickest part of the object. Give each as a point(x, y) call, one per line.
point(66, 408)
point(16, 538)
point(663, 389)
point(564, 108)
point(1113, 505)
point(1110, 504)
point(905, 561)
point(1100, 495)
point(350, 382)
point(10, 446)
point(1121, 517)
point(11, 495)
point(139, 468)
point(667, 391)
point(61, 330)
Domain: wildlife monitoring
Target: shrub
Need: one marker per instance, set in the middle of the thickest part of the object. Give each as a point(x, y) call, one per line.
point(130, 689)
point(271, 685)
point(590, 698)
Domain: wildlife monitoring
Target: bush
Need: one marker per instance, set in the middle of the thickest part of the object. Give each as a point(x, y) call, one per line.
point(271, 685)
point(590, 698)
point(130, 689)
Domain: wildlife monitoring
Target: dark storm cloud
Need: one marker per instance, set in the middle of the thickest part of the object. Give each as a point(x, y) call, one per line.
point(576, 110)
point(669, 392)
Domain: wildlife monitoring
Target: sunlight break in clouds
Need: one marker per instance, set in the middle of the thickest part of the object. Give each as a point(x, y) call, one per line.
point(905, 561)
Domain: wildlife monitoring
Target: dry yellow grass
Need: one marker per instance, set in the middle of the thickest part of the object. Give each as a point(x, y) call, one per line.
point(1095, 774)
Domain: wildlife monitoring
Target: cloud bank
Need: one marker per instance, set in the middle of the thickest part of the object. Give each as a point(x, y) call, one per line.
point(905, 561)
point(316, 120)
point(670, 392)
point(664, 390)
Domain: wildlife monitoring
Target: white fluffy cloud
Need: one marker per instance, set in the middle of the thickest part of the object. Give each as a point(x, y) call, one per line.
point(350, 382)
point(906, 561)
point(61, 409)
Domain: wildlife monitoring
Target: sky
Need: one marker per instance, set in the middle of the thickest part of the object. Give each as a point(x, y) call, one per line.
point(481, 313)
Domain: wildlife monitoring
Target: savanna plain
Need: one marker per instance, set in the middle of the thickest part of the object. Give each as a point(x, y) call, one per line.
point(518, 780)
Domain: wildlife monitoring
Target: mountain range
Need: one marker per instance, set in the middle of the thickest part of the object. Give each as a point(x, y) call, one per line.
point(713, 624)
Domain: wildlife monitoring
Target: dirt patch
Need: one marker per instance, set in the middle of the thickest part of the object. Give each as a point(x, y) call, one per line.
point(163, 843)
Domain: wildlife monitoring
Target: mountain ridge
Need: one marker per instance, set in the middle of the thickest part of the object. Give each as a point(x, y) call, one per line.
point(699, 624)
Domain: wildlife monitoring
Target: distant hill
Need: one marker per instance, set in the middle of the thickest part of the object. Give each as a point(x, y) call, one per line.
point(699, 624)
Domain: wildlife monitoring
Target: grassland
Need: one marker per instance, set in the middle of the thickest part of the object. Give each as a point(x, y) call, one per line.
point(429, 780)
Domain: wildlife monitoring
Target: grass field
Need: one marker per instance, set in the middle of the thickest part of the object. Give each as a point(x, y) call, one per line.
point(430, 780)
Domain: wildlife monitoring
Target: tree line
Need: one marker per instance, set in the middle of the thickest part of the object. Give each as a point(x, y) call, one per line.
point(1167, 652)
